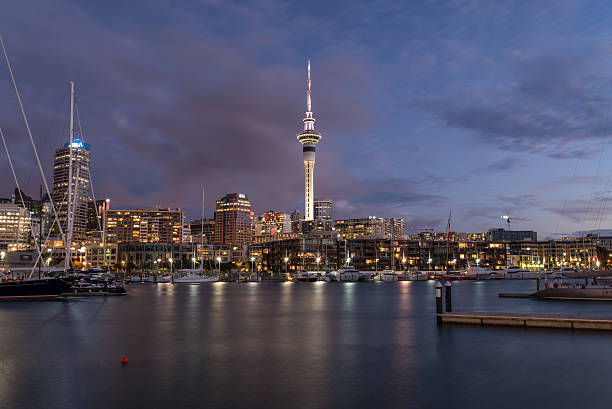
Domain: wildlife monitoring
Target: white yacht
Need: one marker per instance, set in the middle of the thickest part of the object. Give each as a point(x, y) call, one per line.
point(476, 273)
point(388, 275)
point(195, 279)
point(348, 274)
point(516, 272)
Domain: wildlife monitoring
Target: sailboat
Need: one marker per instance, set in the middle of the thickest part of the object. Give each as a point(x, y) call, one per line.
point(28, 289)
point(191, 276)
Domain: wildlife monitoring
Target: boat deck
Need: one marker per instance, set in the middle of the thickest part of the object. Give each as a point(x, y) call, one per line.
point(572, 322)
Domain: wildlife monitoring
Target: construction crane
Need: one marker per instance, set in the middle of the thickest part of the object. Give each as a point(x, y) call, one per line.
point(509, 218)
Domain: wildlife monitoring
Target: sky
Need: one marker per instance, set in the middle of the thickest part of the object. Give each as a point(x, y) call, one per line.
point(476, 106)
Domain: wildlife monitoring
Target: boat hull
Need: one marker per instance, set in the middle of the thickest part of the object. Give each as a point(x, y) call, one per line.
point(33, 289)
point(563, 293)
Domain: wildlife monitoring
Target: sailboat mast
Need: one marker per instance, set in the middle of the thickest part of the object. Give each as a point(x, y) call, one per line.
point(69, 210)
point(202, 235)
point(448, 238)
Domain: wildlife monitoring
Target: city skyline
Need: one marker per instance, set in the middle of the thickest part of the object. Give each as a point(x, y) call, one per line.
point(421, 122)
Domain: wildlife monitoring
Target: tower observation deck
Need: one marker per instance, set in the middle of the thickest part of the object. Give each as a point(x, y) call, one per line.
point(309, 139)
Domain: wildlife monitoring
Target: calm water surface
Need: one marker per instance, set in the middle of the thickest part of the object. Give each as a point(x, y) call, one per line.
point(297, 345)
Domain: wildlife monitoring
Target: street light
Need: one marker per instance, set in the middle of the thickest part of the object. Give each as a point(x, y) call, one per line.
point(123, 265)
point(318, 263)
point(429, 260)
point(477, 262)
point(194, 260)
point(286, 260)
point(377, 264)
point(252, 264)
point(219, 261)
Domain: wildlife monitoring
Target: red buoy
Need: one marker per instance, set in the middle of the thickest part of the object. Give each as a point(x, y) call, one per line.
point(124, 360)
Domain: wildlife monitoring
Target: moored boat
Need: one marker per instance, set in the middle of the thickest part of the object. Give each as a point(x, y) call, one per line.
point(48, 288)
point(566, 291)
point(195, 279)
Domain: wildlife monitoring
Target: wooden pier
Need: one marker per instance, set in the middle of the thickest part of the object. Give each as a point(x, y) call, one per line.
point(516, 295)
point(571, 322)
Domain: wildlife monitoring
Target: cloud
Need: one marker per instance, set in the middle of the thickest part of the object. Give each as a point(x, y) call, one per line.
point(168, 110)
point(553, 104)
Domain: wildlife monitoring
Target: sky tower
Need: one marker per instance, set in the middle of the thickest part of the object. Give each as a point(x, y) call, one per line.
point(309, 139)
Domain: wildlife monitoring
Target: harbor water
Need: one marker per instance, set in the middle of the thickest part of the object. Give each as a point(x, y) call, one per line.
point(297, 345)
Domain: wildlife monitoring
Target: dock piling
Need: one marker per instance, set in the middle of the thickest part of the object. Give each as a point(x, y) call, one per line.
point(447, 290)
point(439, 302)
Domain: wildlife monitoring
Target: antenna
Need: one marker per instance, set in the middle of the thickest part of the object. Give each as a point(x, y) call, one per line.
point(308, 99)
point(70, 210)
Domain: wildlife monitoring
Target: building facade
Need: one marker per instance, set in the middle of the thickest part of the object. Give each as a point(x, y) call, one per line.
point(15, 230)
point(144, 226)
point(80, 187)
point(323, 209)
point(369, 227)
point(512, 235)
point(233, 219)
point(202, 231)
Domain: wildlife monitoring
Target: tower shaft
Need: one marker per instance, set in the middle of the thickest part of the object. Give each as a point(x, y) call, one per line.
point(309, 186)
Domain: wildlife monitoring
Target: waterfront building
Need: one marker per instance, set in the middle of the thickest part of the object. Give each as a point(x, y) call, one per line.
point(144, 226)
point(202, 230)
point(497, 235)
point(15, 230)
point(309, 139)
point(80, 187)
point(323, 209)
point(155, 256)
point(98, 256)
point(228, 253)
point(233, 219)
point(370, 227)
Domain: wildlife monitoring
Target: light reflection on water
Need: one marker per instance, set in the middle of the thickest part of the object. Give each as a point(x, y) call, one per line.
point(295, 345)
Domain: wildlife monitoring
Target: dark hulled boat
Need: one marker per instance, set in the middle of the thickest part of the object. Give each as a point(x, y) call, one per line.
point(48, 288)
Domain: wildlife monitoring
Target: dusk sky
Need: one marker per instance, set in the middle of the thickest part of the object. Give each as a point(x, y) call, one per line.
point(477, 106)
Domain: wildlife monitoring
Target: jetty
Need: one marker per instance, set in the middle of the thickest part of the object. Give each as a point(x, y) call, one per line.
point(509, 319)
point(513, 319)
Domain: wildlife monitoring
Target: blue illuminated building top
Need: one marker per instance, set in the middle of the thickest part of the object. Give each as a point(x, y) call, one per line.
point(78, 143)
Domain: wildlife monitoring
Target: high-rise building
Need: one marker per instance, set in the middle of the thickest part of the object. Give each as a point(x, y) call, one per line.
point(233, 219)
point(202, 231)
point(323, 209)
point(94, 216)
point(144, 226)
point(80, 187)
point(14, 226)
point(309, 139)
